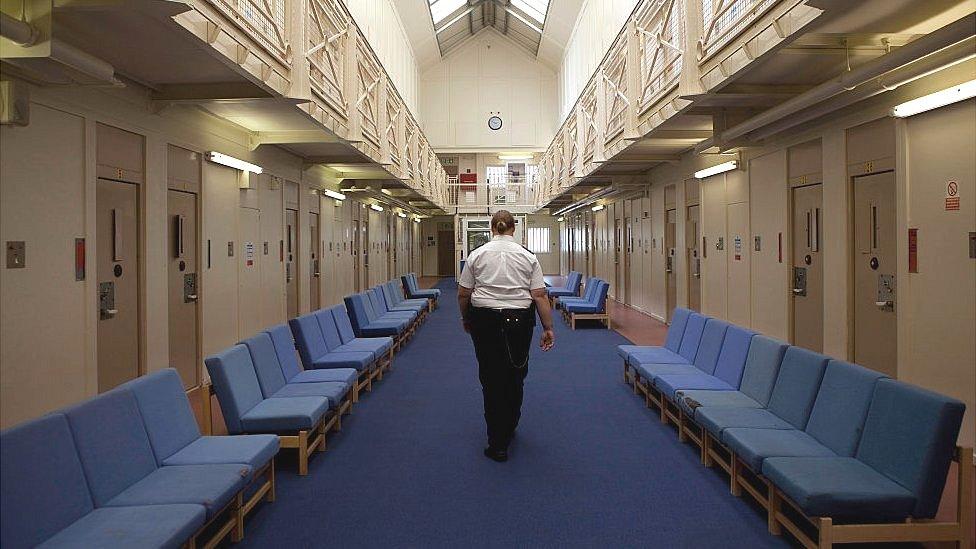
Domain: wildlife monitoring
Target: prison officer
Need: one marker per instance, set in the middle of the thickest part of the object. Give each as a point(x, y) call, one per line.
point(500, 291)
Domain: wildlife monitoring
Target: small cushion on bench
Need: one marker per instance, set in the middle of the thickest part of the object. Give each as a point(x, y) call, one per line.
point(634, 354)
point(251, 450)
point(341, 375)
point(754, 445)
point(212, 486)
point(716, 420)
point(669, 384)
point(333, 391)
point(285, 414)
point(708, 398)
point(359, 360)
point(839, 487)
point(168, 526)
point(650, 371)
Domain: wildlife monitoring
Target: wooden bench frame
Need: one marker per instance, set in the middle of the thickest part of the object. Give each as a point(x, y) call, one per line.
point(604, 317)
point(772, 499)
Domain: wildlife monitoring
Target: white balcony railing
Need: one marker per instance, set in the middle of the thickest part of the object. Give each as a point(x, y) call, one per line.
point(512, 192)
point(263, 19)
point(724, 19)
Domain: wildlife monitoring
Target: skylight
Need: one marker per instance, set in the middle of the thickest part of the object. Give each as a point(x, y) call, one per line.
point(536, 9)
point(440, 9)
point(522, 21)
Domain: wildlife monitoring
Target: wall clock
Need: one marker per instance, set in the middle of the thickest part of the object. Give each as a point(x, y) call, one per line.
point(495, 123)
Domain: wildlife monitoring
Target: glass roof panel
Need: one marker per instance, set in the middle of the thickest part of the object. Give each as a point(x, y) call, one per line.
point(536, 9)
point(440, 9)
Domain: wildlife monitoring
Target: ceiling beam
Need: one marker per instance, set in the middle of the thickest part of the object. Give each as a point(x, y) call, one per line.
point(291, 137)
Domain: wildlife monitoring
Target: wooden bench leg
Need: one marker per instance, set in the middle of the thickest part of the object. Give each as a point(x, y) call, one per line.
point(734, 476)
point(825, 525)
point(272, 483)
point(238, 509)
point(302, 453)
point(706, 446)
point(772, 496)
point(682, 435)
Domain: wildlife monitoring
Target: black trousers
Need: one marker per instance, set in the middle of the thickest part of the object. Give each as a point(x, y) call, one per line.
point(501, 342)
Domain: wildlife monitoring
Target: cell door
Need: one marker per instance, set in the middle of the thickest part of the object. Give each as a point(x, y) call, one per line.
point(250, 318)
point(875, 290)
point(118, 257)
point(807, 267)
point(618, 282)
point(364, 252)
point(647, 272)
point(291, 252)
point(354, 252)
point(693, 244)
point(315, 273)
point(393, 248)
point(183, 286)
point(636, 260)
point(628, 256)
point(670, 241)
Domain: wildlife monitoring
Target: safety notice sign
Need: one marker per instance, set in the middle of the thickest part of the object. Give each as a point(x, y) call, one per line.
point(249, 254)
point(952, 196)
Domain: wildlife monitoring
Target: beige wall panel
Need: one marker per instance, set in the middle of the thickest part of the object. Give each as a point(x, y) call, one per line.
point(736, 186)
point(272, 268)
point(938, 304)
point(680, 262)
point(155, 329)
point(769, 207)
point(870, 141)
point(738, 246)
point(43, 354)
point(658, 285)
point(836, 245)
point(249, 264)
point(714, 267)
point(806, 160)
point(218, 289)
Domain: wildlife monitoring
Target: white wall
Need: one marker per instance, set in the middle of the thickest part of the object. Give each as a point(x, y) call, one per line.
point(488, 75)
point(380, 22)
point(596, 28)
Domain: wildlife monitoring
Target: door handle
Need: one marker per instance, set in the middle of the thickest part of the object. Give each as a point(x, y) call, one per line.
point(697, 275)
point(110, 312)
point(884, 304)
point(192, 297)
point(798, 291)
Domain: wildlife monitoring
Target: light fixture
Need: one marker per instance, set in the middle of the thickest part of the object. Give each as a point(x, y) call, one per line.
point(386, 192)
point(416, 220)
point(376, 207)
point(935, 100)
point(515, 156)
point(720, 168)
point(333, 194)
point(401, 214)
point(598, 207)
point(560, 219)
point(231, 162)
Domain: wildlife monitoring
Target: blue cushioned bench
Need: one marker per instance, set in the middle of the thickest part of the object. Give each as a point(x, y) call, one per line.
point(859, 456)
point(176, 439)
point(299, 421)
point(378, 303)
point(316, 353)
point(366, 323)
point(594, 308)
point(592, 285)
point(395, 301)
point(573, 282)
point(273, 383)
point(412, 289)
point(379, 346)
point(45, 499)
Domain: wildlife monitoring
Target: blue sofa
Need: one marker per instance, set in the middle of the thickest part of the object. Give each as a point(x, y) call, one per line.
point(395, 301)
point(299, 421)
point(284, 346)
point(366, 323)
point(412, 289)
point(593, 307)
point(572, 287)
point(832, 440)
point(316, 354)
point(128, 468)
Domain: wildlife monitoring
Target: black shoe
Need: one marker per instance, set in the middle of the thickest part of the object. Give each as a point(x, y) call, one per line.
point(496, 454)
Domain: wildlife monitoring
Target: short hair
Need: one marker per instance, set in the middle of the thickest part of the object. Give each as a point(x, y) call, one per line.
point(502, 221)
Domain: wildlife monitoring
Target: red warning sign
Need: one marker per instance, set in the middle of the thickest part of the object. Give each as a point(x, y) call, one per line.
point(952, 196)
point(913, 250)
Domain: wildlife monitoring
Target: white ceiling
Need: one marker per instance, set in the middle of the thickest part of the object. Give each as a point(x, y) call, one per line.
point(559, 24)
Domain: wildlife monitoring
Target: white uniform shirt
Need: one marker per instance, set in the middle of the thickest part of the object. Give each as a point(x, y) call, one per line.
point(501, 273)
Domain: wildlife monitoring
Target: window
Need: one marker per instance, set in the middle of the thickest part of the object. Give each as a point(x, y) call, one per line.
point(538, 238)
point(440, 9)
point(536, 9)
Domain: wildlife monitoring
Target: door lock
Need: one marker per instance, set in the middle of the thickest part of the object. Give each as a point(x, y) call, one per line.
point(106, 301)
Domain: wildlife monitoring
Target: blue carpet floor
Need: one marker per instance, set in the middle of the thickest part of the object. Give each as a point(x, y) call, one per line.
point(590, 465)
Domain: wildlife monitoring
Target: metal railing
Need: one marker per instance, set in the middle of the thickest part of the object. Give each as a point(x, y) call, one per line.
point(724, 19)
point(515, 192)
point(263, 19)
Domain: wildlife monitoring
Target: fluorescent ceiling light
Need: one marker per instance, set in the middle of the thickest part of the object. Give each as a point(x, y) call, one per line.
point(376, 207)
point(232, 162)
point(935, 100)
point(560, 219)
point(721, 168)
point(401, 214)
point(598, 207)
point(515, 156)
point(416, 220)
point(333, 194)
